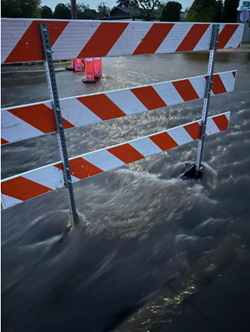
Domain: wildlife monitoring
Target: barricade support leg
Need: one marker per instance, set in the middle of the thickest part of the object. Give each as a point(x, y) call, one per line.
point(51, 79)
point(196, 169)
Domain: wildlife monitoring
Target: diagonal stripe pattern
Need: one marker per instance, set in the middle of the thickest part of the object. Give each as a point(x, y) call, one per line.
point(37, 119)
point(77, 39)
point(18, 189)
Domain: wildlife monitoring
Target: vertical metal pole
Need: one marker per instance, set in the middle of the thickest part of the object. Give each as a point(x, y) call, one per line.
point(51, 79)
point(74, 17)
point(213, 47)
point(73, 10)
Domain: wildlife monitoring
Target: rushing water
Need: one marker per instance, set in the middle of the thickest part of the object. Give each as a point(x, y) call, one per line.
point(151, 251)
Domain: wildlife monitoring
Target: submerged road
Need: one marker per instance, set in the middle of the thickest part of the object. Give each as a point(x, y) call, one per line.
point(158, 253)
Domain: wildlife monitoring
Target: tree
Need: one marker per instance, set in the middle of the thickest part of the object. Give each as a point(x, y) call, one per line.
point(147, 9)
point(126, 3)
point(84, 12)
point(103, 10)
point(20, 8)
point(202, 11)
point(46, 12)
point(230, 11)
point(219, 11)
point(171, 11)
point(62, 11)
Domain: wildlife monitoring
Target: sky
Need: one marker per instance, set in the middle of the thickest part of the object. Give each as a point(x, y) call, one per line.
point(94, 3)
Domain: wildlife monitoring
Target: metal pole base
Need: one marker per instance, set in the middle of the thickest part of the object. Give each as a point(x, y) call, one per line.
point(191, 172)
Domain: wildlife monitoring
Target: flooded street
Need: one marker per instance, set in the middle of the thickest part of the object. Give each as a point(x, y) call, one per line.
point(124, 72)
point(157, 253)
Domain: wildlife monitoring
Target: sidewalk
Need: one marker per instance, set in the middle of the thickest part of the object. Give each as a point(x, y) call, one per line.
point(13, 70)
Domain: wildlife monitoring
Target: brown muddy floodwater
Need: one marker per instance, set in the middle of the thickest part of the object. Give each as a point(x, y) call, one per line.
point(157, 253)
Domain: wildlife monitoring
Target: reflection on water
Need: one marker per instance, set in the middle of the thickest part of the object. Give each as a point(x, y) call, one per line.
point(203, 56)
point(118, 73)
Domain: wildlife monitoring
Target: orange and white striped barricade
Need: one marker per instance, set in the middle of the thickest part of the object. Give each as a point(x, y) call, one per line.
point(21, 42)
point(78, 65)
point(37, 119)
point(25, 186)
point(89, 71)
point(98, 67)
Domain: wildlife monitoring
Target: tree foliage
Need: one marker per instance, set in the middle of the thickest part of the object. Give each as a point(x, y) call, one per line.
point(148, 9)
point(20, 8)
point(202, 11)
point(62, 11)
point(103, 10)
point(84, 12)
point(46, 12)
point(126, 3)
point(171, 11)
point(219, 11)
point(230, 11)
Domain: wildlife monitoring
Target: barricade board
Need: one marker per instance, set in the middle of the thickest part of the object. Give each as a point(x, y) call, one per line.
point(23, 187)
point(27, 121)
point(86, 39)
point(29, 40)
